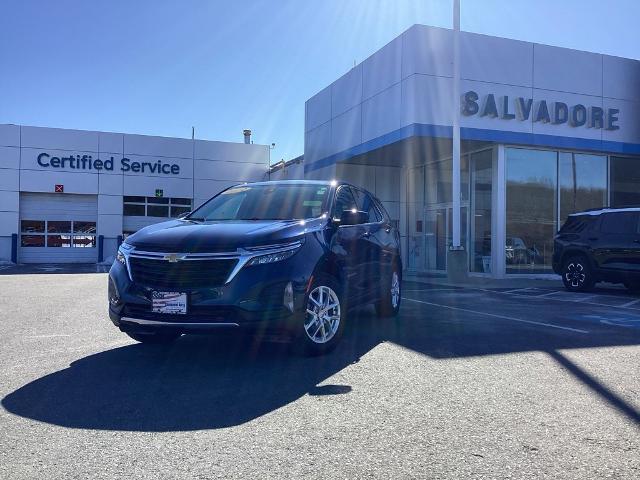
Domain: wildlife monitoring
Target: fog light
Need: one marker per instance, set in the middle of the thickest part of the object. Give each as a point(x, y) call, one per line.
point(288, 297)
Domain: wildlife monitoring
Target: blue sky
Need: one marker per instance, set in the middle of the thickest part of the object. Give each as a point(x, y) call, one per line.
point(160, 67)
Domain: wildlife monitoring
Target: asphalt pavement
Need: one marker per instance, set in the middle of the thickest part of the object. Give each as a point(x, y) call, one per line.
point(467, 383)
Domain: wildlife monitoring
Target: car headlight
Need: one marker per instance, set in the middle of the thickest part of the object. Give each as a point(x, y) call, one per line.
point(274, 253)
point(123, 251)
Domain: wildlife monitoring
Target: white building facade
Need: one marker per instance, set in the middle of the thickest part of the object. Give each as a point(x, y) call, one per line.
point(546, 131)
point(72, 195)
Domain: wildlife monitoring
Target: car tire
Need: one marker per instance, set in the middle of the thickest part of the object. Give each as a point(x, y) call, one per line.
point(154, 338)
point(320, 328)
point(577, 275)
point(389, 303)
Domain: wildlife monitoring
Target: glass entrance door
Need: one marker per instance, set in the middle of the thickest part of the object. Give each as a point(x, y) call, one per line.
point(435, 239)
point(438, 235)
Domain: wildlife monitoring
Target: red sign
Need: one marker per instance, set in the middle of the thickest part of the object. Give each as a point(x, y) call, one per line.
point(59, 188)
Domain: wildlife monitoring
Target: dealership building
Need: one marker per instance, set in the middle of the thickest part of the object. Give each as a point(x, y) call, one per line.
point(545, 131)
point(72, 195)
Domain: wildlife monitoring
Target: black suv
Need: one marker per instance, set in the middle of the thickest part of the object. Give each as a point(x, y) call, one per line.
point(289, 255)
point(599, 245)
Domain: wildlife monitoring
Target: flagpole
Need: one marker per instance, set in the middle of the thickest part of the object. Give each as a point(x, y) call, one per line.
point(456, 241)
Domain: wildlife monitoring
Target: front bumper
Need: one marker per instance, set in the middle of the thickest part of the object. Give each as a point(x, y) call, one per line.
point(254, 299)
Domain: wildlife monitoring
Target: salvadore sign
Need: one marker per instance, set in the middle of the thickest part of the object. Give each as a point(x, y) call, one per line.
point(525, 109)
point(124, 164)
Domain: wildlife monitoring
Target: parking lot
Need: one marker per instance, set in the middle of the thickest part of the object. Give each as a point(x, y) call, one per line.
point(466, 383)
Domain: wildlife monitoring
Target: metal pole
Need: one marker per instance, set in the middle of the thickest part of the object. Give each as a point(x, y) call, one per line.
point(455, 180)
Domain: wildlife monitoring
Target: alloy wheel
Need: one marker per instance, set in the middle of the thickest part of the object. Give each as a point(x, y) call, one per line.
point(322, 318)
point(575, 274)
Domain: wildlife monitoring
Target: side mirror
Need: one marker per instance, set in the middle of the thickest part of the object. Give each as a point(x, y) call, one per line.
point(353, 217)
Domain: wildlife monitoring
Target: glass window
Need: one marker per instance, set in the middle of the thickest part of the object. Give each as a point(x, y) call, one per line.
point(157, 211)
point(134, 210)
point(531, 209)
point(177, 211)
point(344, 201)
point(619, 223)
point(59, 241)
point(265, 202)
point(84, 241)
point(481, 184)
point(32, 226)
point(625, 181)
point(576, 223)
point(58, 227)
point(181, 201)
point(365, 203)
point(383, 211)
point(160, 200)
point(134, 199)
point(438, 182)
point(374, 214)
point(84, 227)
point(583, 182)
point(32, 240)
point(415, 185)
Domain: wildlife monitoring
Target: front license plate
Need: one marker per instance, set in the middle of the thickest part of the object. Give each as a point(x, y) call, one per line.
point(169, 302)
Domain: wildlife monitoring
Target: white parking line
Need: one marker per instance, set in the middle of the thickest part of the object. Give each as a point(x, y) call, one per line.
point(504, 317)
point(518, 290)
point(431, 290)
point(549, 294)
point(625, 305)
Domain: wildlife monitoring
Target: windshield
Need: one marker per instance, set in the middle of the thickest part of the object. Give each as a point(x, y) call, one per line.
point(265, 202)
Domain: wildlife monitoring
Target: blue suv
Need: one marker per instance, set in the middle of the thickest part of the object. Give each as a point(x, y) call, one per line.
point(292, 256)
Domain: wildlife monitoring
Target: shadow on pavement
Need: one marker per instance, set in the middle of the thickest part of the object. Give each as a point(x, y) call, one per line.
point(208, 382)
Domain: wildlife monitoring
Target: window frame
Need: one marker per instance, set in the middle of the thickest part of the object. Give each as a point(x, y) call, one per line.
point(335, 200)
point(151, 202)
point(71, 234)
point(373, 205)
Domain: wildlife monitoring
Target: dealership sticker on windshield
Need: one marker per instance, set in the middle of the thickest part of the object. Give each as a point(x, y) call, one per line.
point(169, 302)
point(312, 203)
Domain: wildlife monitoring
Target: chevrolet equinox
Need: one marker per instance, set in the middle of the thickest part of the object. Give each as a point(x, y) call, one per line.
point(292, 256)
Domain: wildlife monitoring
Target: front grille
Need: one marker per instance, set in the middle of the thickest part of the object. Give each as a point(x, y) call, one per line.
point(186, 274)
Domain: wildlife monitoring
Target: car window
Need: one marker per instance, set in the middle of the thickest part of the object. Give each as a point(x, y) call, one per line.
point(382, 210)
point(344, 201)
point(575, 224)
point(265, 202)
point(619, 223)
point(365, 203)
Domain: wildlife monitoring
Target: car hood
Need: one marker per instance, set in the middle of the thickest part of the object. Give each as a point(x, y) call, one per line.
point(224, 236)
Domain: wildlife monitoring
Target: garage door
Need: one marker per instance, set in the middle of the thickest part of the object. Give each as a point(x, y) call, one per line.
point(58, 228)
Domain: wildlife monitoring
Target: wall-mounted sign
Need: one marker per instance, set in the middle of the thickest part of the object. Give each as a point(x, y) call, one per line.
point(159, 192)
point(87, 162)
point(58, 188)
point(525, 109)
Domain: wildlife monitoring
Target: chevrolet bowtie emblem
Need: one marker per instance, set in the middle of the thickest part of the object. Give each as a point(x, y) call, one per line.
point(174, 257)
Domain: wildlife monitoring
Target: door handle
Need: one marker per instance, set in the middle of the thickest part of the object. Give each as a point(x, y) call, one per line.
point(636, 241)
point(366, 234)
